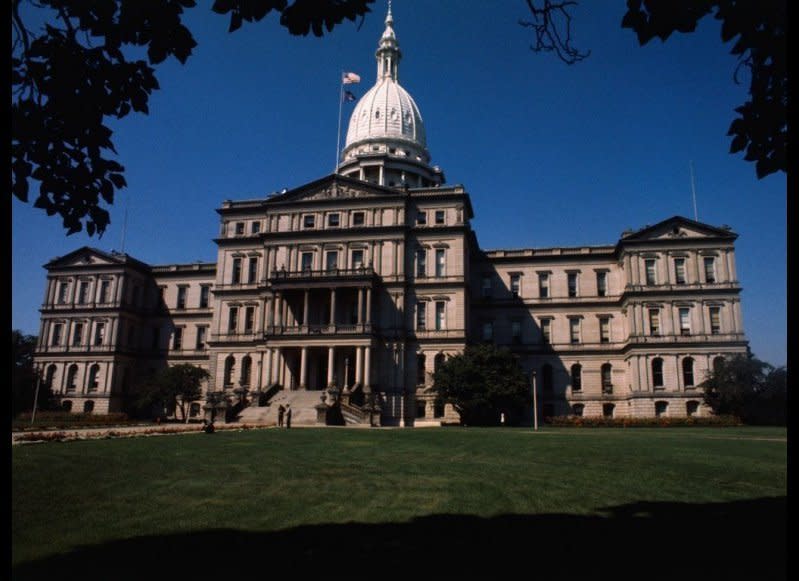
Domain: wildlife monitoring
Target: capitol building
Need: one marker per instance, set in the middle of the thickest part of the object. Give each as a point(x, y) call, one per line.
point(344, 295)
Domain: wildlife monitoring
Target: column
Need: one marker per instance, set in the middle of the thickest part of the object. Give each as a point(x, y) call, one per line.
point(358, 365)
point(284, 315)
point(260, 371)
point(268, 370)
point(381, 176)
point(305, 313)
point(278, 311)
point(680, 386)
point(367, 378)
point(378, 257)
point(360, 306)
point(332, 306)
point(304, 367)
point(275, 366)
point(330, 362)
point(368, 306)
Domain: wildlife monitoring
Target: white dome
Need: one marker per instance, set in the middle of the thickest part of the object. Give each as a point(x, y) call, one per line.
point(386, 111)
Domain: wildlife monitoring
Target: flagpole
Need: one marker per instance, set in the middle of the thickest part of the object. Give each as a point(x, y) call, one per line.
point(338, 133)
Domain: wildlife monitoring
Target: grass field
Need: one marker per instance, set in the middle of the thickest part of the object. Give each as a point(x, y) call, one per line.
point(313, 496)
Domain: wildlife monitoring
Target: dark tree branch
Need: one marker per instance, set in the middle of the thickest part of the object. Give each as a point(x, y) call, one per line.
point(549, 34)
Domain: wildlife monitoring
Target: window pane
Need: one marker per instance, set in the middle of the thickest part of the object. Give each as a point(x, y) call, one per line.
point(421, 262)
point(440, 316)
point(420, 315)
point(679, 270)
point(710, 269)
point(650, 271)
point(602, 283)
point(440, 262)
point(572, 281)
point(332, 261)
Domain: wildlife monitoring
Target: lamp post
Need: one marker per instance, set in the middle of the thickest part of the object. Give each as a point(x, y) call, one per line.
point(535, 401)
point(36, 396)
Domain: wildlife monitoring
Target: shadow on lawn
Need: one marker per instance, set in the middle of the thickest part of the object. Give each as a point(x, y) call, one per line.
point(647, 540)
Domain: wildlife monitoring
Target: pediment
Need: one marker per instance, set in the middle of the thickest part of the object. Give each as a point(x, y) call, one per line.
point(84, 257)
point(335, 188)
point(677, 228)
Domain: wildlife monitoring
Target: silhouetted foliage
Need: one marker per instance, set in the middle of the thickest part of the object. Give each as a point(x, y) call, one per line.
point(748, 388)
point(76, 71)
point(758, 31)
point(481, 383)
point(174, 387)
point(23, 377)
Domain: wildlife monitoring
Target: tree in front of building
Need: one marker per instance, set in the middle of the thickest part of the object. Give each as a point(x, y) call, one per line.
point(748, 388)
point(482, 383)
point(173, 388)
point(23, 376)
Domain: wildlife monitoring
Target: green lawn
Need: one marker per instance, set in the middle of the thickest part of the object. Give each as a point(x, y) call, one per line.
point(96, 493)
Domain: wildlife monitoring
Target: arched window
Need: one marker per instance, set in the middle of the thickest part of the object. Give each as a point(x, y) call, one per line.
point(546, 377)
point(657, 372)
point(661, 407)
point(230, 365)
point(577, 409)
point(50, 375)
point(438, 361)
point(72, 376)
point(88, 407)
point(66, 406)
point(691, 408)
point(688, 372)
point(246, 365)
point(607, 383)
point(420, 363)
point(91, 382)
point(577, 377)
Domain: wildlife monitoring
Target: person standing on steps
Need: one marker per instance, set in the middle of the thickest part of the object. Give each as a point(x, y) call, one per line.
point(280, 411)
point(288, 416)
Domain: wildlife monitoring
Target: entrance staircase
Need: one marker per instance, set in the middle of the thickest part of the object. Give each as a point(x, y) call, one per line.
point(303, 410)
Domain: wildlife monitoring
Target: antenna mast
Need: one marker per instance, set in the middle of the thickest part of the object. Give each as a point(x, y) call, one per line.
point(693, 190)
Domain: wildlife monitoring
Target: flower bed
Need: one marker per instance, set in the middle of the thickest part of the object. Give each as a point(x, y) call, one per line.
point(120, 432)
point(663, 422)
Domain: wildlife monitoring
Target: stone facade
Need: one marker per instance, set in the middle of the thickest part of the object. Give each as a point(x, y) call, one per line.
point(361, 283)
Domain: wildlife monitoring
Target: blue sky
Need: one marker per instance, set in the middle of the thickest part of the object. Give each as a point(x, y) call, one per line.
point(551, 154)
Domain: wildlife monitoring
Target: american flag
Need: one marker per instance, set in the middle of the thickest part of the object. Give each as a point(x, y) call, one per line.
point(350, 78)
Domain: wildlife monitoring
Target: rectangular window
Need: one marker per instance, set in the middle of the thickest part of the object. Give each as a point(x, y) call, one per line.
point(333, 220)
point(77, 334)
point(715, 320)
point(239, 228)
point(679, 270)
point(574, 330)
point(308, 221)
point(357, 259)
point(236, 276)
point(421, 311)
point(252, 270)
point(421, 262)
point(604, 330)
point(440, 316)
point(488, 331)
point(572, 283)
point(177, 339)
point(83, 293)
point(685, 321)
point(421, 218)
point(56, 339)
point(546, 330)
point(441, 269)
point(182, 297)
point(515, 285)
point(331, 260)
point(99, 333)
point(63, 288)
point(105, 287)
point(205, 291)
point(543, 285)
point(233, 319)
point(249, 319)
point(710, 269)
point(200, 343)
point(255, 227)
point(306, 261)
point(654, 322)
point(358, 219)
point(486, 292)
point(649, 264)
point(602, 284)
point(439, 216)
point(516, 331)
